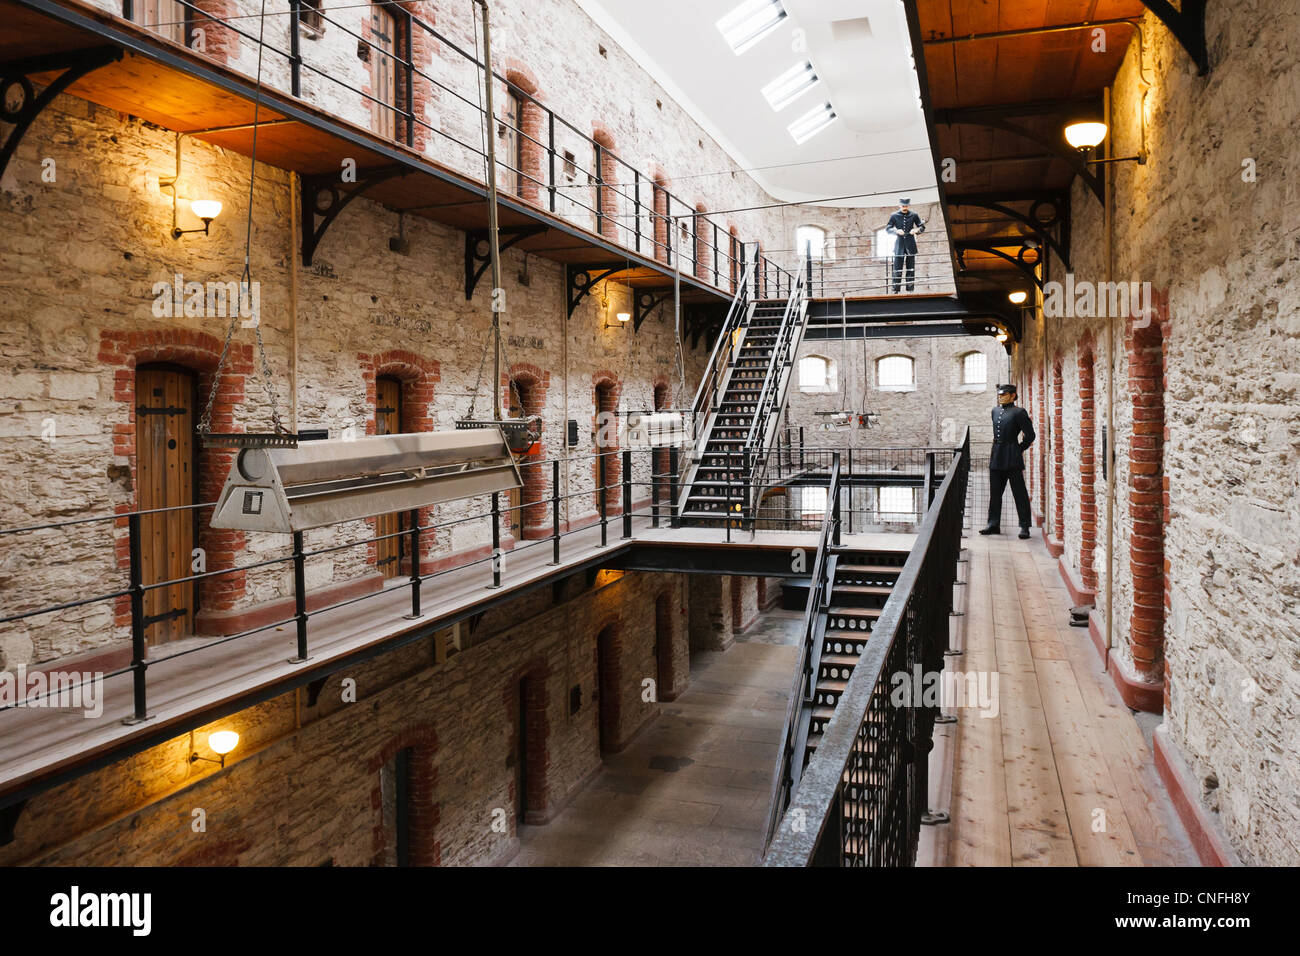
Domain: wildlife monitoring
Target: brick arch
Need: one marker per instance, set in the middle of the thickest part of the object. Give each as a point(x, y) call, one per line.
point(605, 392)
point(609, 680)
point(1087, 465)
point(220, 42)
point(659, 186)
point(662, 397)
point(200, 353)
point(532, 384)
point(535, 674)
point(1149, 493)
point(703, 245)
point(607, 182)
point(531, 116)
point(1058, 450)
point(418, 376)
point(426, 849)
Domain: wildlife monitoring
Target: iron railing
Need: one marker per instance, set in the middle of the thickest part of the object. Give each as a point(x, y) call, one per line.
point(861, 798)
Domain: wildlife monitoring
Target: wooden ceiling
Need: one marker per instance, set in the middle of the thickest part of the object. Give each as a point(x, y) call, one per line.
point(1000, 104)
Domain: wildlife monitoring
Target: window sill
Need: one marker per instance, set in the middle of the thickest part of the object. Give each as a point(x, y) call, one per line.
point(896, 388)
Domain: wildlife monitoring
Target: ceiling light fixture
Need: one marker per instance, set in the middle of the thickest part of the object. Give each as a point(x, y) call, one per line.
point(812, 123)
point(790, 85)
point(750, 22)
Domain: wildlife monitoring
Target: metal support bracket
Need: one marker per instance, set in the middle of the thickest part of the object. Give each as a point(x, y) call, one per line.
point(478, 256)
point(314, 689)
point(18, 74)
point(582, 279)
point(994, 247)
point(643, 303)
point(323, 200)
point(1187, 26)
point(1039, 221)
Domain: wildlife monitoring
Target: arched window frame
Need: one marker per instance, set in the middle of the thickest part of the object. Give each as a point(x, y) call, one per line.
point(821, 250)
point(893, 385)
point(964, 381)
point(825, 383)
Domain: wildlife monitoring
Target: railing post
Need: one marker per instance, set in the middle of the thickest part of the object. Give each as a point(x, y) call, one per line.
point(600, 193)
point(727, 522)
point(627, 492)
point(715, 254)
point(808, 263)
point(295, 55)
point(673, 521)
point(496, 539)
point(415, 565)
point(138, 665)
point(636, 202)
point(656, 487)
point(801, 450)
point(835, 505)
point(551, 116)
point(600, 494)
point(555, 510)
point(929, 479)
point(300, 597)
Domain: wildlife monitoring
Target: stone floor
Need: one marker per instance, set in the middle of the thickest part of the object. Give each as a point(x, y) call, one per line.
point(693, 788)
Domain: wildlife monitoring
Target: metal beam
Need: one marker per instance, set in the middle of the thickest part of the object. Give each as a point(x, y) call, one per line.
point(1057, 147)
point(1188, 27)
point(1032, 31)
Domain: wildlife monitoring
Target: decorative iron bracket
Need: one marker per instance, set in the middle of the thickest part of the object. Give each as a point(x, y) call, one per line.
point(478, 256)
point(645, 302)
point(995, 247)
point(583, 278)
point(1058, 148)
point(1188, 27)
point(314, 689)
point(323, 200)
point(18, 73)
point(1035, 220)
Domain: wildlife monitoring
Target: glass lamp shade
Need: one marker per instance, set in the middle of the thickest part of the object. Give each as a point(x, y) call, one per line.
point(223, 741)
point(624, 316)
point(206, 209)
point(1018, 298)
point(1085, 135)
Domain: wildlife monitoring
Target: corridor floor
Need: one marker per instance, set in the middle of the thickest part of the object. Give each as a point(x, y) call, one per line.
point(1063, 774)
point(693, 788)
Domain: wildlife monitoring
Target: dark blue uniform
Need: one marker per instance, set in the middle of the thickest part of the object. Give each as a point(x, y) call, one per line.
point(906, 226)
point(1007, 463)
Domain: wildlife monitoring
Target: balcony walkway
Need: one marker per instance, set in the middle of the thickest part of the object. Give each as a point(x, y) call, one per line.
point(693, 788)
point(1064, 756)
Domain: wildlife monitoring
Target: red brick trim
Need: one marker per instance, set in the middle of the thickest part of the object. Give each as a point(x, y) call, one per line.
point(1054, 548)
point(220, 42)
point(1078, 593)
point(532, 384)
point(124, 351)
point(1211, 846)
point(1137, 694)
point(425, 811)
point(606, 390)
point(1087, 466)
point(703, 246)
point(660, 184)
point(1058, 450)
point(538, 807)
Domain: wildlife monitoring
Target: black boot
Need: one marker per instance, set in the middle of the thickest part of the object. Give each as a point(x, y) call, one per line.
point(1024, 533)
point(991, 529)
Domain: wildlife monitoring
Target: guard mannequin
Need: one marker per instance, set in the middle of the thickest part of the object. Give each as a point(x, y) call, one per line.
point(1007, 463)
point(906, 225)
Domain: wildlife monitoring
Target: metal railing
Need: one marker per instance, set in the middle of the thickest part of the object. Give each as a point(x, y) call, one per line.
point(860, 800)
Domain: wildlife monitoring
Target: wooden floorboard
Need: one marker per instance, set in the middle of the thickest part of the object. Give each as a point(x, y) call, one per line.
point(1063, 775)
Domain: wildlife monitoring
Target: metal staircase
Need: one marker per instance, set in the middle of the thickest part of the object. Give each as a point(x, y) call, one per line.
point(739, 405)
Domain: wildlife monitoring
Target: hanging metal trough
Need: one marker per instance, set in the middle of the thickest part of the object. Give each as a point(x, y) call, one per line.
point(322, 483)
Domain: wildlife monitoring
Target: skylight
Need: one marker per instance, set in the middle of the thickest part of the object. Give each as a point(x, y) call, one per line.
point(790, 85)
point(750, 22)
point(812, 123)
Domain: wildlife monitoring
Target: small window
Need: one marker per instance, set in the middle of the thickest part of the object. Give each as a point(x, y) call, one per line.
point(895, 372)
point(810, 240)
point(816, 374)
point(310, 19)
point(974, 369)
point(897, 504)
point(812, 503)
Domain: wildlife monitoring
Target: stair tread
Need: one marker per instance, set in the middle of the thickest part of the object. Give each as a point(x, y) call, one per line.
point(861, 589)
point(869, 568)
point(840, 660)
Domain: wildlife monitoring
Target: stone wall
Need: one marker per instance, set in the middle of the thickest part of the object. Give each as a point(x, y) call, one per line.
point(1205, 411)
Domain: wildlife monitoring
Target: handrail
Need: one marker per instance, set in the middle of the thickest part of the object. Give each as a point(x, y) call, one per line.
point(801, 693)
point(709, 382)
point(878, 748)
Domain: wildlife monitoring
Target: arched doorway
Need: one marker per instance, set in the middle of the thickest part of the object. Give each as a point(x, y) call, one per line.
point(165, 479)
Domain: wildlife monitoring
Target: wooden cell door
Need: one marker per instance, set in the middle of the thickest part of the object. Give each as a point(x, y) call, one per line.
point(388, 418)
point(164, 430)
point(383, 71)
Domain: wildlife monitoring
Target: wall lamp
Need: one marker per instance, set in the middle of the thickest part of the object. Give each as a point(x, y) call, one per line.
point(222, 742)
point(1089, 134)
point(205, 209)
point(1018, 297)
